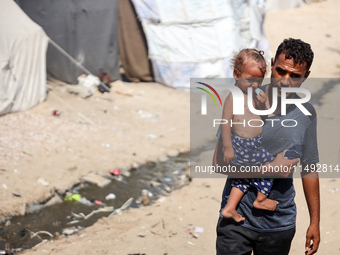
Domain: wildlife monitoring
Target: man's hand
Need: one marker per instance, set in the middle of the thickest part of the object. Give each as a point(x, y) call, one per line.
point(287, 166)
point(280, 160)
point(229, 155)
point(310, 183)
point(312, 239)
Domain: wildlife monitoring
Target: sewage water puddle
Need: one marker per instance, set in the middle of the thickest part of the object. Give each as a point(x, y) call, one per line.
point(159, 178)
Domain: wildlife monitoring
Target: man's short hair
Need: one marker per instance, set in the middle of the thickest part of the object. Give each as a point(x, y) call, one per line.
point(297, 50)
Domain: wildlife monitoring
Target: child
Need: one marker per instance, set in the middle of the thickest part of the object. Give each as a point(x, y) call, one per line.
point(242, 143)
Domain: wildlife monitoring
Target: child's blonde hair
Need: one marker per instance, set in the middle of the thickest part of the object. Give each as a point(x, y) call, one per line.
point(238, 62)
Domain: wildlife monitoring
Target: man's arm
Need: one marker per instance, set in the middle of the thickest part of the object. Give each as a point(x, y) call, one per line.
point(310, 183)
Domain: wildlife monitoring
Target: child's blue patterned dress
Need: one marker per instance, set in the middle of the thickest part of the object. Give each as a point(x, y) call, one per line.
point(249, 152)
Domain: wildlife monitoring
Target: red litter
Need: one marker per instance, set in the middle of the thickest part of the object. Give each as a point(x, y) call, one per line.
point(115, 171)
point(55, 113)
point(98, 202)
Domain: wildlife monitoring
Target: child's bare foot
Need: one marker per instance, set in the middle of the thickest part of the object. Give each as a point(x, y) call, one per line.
point(232, 214)
point(266, 204)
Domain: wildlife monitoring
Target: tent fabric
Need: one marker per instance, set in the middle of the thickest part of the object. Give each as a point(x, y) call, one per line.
point(132, 44)
point(196, 39)
point(276, 5)
point(85, 29)
point(23, 46)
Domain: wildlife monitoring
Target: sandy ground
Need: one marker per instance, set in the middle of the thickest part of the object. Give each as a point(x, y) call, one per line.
point(35, 144)
point(111, 132)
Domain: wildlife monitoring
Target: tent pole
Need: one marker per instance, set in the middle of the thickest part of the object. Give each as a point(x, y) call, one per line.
point(75, 61)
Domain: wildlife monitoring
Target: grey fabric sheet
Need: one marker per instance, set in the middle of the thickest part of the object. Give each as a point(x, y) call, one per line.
point(86, 29)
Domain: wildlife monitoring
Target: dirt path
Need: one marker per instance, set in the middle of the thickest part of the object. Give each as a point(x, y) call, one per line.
point(61, 150)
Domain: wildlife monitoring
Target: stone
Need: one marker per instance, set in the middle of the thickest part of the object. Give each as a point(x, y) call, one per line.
point(173, 153)
point(54, 200)
point(96, 179)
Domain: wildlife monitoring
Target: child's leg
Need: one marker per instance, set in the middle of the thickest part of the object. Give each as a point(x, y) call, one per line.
point(239, 187)
point(262, 202)
point(229, 211)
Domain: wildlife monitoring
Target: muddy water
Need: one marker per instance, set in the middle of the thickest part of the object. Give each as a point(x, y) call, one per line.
point(17, 231)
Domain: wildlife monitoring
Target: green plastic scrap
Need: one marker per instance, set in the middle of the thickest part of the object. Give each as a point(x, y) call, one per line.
point(73, 197)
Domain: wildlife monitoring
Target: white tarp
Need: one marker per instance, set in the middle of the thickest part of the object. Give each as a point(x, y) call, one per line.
point(276, 5)
point(23, 46)
point(197, 38)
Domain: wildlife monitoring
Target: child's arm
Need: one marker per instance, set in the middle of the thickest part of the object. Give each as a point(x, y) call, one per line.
point(229, 153)
point(261, 99)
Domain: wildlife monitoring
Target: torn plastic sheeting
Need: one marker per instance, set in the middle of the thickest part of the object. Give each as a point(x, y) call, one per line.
point(181, 11)
point(199, 43)
point(211, 33)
